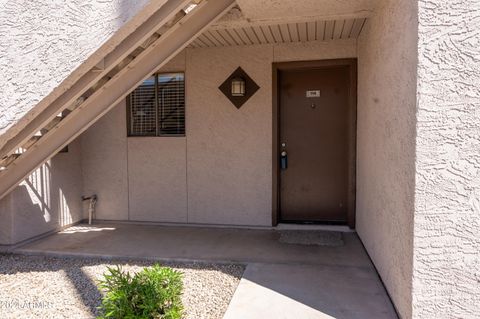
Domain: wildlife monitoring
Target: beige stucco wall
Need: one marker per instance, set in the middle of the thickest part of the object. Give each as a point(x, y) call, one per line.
point(221, 172)
point(157, 179)
point(446, 271)
point(47, 200)
point(104, 164)
point(386, 145)
point(6, 226)
point(229, 149)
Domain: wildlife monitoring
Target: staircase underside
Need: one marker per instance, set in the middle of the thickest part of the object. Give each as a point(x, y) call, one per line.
point(173, 27)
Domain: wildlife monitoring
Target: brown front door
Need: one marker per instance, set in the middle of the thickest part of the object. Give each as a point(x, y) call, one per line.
point(315, 143)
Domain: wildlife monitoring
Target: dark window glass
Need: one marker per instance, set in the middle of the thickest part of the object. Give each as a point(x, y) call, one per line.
point(157, 106)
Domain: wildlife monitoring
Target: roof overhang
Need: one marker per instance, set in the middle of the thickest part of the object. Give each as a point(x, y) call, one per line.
point(254, 22)
point(273, 33)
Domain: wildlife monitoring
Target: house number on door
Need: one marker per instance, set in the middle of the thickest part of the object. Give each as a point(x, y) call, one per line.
point(314, 93)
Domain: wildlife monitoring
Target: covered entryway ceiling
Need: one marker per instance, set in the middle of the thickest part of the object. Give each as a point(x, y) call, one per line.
point(236, 28)
point(316, 30)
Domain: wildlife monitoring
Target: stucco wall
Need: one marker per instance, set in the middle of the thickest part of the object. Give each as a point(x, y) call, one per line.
point(446, 269)
point(6, 226)
point(229, 149)
point(47, 200)
point(104, 164)
point(157, 179)
point(220, 173)
point(386, 145)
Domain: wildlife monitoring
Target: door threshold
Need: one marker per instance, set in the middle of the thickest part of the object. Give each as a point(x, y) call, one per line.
point(339, 228)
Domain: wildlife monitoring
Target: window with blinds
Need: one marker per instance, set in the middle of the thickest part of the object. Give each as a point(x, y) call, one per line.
point(157, 106)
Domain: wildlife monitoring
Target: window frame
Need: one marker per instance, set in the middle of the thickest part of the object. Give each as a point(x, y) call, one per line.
point(157, 133)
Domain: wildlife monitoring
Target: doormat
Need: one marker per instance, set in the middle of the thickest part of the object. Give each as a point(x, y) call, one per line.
point(311, 237)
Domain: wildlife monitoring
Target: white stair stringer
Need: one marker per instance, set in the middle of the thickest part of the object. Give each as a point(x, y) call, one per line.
point(170, 43)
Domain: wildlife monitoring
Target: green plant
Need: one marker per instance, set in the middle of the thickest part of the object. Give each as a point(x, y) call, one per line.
point(153, 292)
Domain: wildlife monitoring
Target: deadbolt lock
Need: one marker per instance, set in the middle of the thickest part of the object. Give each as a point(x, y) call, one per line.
point(283, 160)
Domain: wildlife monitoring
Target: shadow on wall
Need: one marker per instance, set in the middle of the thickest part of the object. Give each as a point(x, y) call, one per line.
point(48, 199)
point(38, 188)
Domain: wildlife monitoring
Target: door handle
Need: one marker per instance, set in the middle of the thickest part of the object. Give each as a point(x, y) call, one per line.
point(283, 160)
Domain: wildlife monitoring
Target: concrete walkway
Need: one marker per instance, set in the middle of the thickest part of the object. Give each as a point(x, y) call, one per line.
point(309, 292)
point(281, 280)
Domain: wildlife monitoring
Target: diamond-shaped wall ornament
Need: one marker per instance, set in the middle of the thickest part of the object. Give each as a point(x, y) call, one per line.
point(250, 87)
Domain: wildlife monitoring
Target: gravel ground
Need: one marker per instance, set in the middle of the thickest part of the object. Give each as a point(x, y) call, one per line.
point(46, 287)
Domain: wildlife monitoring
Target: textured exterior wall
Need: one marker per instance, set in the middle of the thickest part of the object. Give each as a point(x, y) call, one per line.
point(447, 207)
point(228, 151)
point(387, 61)
point(157, 179)
point(104, 164)
point(47, 200)
point(47, 45)
point(6, 226)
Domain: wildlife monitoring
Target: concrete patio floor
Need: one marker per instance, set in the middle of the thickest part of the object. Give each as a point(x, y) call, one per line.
point(281, 280)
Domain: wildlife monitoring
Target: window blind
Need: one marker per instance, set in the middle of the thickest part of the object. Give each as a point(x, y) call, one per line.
point(171, 104)
point(157, 106)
